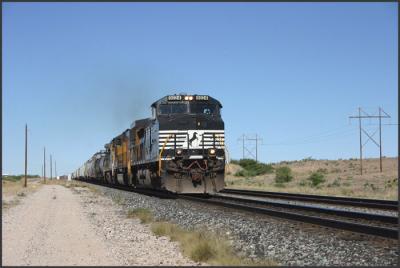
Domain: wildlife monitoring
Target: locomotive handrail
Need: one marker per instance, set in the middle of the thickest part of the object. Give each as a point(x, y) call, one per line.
point(162, 150)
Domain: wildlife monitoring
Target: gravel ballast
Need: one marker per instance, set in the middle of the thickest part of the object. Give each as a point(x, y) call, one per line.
point(259, 236)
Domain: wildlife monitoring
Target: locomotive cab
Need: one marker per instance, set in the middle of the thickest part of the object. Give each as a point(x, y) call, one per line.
point(191, 143)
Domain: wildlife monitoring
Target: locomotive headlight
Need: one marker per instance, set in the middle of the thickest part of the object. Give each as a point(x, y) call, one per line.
point(178, 152)
point(186, 97)
point(212, 151)
point(190, 97)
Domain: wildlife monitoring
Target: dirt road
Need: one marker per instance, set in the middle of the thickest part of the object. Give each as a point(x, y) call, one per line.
point(42, 230)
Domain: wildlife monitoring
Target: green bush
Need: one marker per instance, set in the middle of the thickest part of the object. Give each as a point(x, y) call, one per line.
point(371, 185)
point(283, 174)
point(391, 183)
point(316, 179)
point(15, 178)
point(233, 161)
point(322, 170)
point(240, 173)
point(253, 168)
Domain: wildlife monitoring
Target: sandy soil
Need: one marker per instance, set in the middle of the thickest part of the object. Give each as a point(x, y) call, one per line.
point(42, 230)
point(67, 223)
point(342, 178)
point(13, 192)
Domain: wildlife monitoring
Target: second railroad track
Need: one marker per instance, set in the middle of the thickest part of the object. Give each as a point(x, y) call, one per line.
point(335, 200)
point(358, 222)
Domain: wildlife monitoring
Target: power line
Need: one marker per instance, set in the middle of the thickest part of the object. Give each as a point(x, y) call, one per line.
point(381, 114)
point(322, 139)
point(309, 139)
point(245, 147)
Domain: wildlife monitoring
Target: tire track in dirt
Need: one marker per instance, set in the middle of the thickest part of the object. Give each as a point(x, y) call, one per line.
point(50, 228)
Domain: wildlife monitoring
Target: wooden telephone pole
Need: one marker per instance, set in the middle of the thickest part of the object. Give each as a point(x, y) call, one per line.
point(26, 154)
point(44, 164)
point(51, 167)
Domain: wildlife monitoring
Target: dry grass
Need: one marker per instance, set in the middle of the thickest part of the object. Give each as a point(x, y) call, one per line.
point(74, 184)
point(13, 191)
point(200, 245)
point(341, 178)
point(118, 199)
point(143, 214)
point(204, 246)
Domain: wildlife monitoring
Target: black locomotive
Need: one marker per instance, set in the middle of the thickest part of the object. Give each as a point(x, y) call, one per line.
point(180, 149)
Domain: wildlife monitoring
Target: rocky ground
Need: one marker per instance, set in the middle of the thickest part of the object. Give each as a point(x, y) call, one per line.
point(287, 243)
point(56, 225)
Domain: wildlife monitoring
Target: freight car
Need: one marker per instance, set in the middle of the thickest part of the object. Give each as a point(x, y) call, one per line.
point(180, 148)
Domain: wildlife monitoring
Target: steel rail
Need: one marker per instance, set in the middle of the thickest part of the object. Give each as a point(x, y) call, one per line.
point(330, 211)
point(342, 225)
point(145, 191)
point(349, 201)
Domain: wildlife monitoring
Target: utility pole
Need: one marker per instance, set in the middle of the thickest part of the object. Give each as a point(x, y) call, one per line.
point(242, 139)
point(359, 120)
point(51, 167)
point(26, 154)
point(380, 140)
point(55, 168)
point(256, 148)
point(360, 117)
point(243, 146)
point(256, 139)
point(250, 152)
point(44, 164)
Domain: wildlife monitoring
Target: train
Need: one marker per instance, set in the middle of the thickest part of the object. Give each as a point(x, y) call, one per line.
point(179, 149)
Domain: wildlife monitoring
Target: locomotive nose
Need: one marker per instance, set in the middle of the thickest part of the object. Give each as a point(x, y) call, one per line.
point(201, 123)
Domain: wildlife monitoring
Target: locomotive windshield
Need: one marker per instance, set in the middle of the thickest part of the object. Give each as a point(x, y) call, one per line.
point(175, 108)
point(203, 108)
point(188, 108)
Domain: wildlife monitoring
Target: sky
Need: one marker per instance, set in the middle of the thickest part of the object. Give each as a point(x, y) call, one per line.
point(80, 73)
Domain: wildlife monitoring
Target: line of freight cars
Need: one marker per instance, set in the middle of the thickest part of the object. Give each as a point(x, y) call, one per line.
point(180, 148)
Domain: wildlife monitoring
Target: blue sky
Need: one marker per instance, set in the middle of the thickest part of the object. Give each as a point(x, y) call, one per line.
point(80, 73)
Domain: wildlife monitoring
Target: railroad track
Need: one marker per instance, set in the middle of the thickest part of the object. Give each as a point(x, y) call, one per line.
point(150, 192)
point(347, 201)
point(281, 210)
point(315, 209)
point(390, 231)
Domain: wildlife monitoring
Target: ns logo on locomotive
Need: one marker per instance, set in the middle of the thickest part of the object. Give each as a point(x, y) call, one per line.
point(179, 149)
